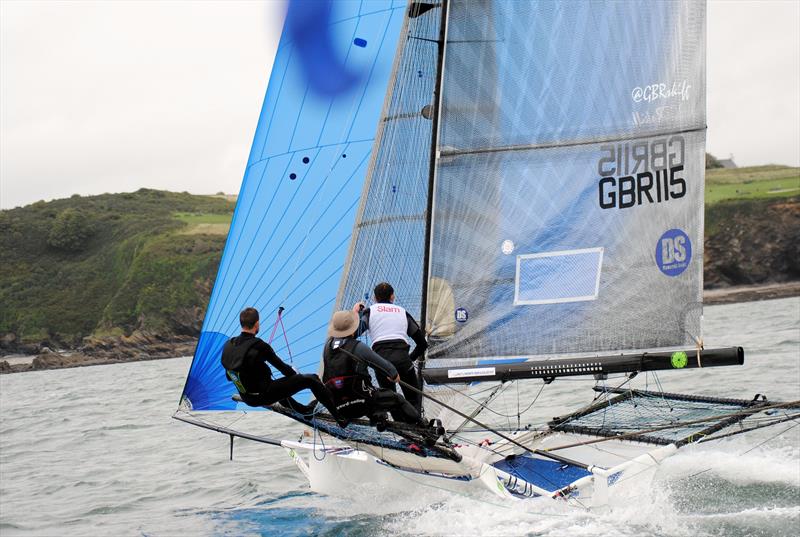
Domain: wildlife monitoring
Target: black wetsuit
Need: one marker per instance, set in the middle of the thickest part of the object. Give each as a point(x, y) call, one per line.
point(247, 356)
point(351, 386)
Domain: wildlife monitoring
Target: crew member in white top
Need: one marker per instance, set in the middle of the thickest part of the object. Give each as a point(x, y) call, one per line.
point(390, 328)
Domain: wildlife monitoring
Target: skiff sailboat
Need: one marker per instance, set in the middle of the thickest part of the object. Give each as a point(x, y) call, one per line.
point(529, 176)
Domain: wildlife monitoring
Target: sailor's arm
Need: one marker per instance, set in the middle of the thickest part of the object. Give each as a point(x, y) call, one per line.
point(416, 334)
point(266, 353)
point(363, 315)
point(379, 364)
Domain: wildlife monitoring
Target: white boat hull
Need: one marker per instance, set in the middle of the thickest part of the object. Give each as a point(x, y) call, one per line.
point(622, 469)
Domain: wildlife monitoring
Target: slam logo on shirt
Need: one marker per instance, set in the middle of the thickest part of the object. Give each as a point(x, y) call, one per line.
point(673, 252)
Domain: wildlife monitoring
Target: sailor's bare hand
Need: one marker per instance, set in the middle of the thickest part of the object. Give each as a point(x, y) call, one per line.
point(358, 306)
point(396, 378)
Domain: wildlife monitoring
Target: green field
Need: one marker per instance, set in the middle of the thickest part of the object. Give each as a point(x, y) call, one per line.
point(205, 223)
point(204, 218)
point(757, 182)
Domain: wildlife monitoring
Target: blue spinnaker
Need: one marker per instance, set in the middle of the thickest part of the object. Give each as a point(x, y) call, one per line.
point(294, 216)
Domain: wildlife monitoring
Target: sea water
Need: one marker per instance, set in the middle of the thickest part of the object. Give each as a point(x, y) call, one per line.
point(94, 451)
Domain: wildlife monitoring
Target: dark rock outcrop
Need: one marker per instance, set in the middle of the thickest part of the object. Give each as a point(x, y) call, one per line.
point(751, 242)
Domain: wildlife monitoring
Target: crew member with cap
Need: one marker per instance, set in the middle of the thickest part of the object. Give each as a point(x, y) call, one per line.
point(345, 373)
point(245, 359)
point(390, 327)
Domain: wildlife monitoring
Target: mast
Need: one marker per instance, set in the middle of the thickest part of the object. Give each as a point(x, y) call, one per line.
point(437, 102)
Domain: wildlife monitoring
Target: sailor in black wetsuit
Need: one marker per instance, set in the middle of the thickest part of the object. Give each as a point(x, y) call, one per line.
point(348, 378)
point(244, 358)
point(390, 327)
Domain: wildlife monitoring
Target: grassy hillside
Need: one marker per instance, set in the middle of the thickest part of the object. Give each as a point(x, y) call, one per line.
point(108, 265)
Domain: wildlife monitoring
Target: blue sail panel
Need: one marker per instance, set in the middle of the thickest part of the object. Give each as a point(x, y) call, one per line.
point(296, 208)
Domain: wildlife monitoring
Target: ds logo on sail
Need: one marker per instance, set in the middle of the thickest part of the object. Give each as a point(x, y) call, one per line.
point(673, 252)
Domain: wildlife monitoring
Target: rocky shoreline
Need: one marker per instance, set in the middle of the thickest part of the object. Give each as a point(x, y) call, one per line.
point(141, 346)
point(135, 348)
point(750, 293)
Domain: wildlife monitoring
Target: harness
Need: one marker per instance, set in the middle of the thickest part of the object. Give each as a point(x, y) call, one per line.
point(341, 375)
point(233, 358)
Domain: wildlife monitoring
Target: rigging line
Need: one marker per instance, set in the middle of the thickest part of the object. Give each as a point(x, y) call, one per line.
point(487, 447)
point(761, 423)
point(519, 413)
point(479, 424)
point(678, 424)
point(225, 430)
point(356, 237)
point(481, 405)
point(285, 338)
point(212, 422)
point(435, 142)
point(660, 389)
point(528, 428)
point(476, 401)
point(770, 439)
point(275, 326)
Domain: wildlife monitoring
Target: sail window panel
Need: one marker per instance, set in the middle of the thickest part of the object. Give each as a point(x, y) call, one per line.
point(516, 74)
point(554, 277)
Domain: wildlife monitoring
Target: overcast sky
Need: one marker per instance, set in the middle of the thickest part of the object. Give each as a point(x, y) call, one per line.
point(111, 97)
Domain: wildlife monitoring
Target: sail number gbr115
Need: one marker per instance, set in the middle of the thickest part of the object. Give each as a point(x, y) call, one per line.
point(634, 173)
